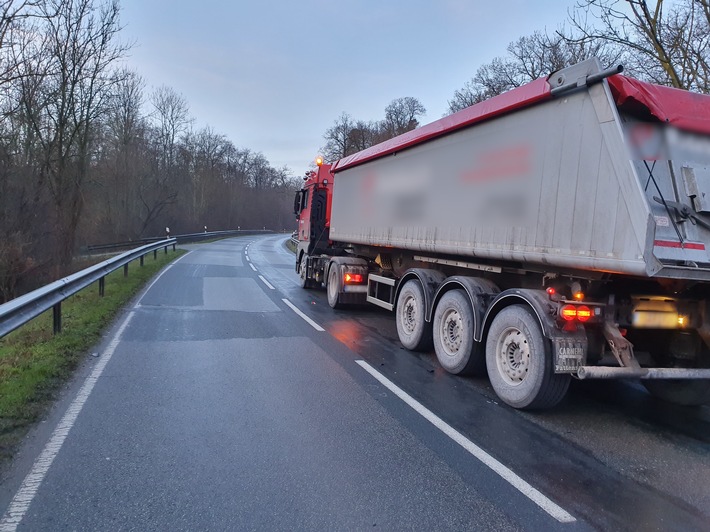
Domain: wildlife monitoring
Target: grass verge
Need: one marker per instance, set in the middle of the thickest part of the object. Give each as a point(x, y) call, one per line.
point(34, 363)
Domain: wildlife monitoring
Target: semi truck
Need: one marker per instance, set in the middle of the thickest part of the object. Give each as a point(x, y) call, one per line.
point(559, 230)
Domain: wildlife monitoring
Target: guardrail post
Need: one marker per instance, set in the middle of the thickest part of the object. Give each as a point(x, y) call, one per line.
point(142, 259)
point(57, 315)
point(125, 270)
point(166, 250)
point(102, 286)
point(173, 246)
point(155, 254)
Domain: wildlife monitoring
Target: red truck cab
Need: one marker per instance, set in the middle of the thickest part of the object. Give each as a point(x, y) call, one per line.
point(312, 209)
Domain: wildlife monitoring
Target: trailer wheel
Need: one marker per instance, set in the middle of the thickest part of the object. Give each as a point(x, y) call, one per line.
point(413, 330)
point(303, 272)
point(455, 346)
point(333, 288)
point(519, 361)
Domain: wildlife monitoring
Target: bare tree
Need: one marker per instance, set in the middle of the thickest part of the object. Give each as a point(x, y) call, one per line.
point(347, 136)
point(530, 57)
point(363, 135)
point(65, 96)
point(210, 151)
point(401, 115)
point(172, 117)
point(125, 117)
point(665, 42)
point(124, 143)
point(338, 142)
point(12, 14)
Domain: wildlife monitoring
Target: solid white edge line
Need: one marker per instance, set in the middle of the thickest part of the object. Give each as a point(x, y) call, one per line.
point(252, 266)
point(309, 320)
point(30, 485)
point(267, 283)
point(503, 471)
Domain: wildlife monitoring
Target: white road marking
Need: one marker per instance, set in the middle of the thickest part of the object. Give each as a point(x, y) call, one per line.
point(248, 259)
point(503, 471)
point(24, 496)
point(267, 283)
point(252, 266)
point(309, 320)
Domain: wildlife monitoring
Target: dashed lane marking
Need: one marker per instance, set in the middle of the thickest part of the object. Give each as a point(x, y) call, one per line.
point(267, 283)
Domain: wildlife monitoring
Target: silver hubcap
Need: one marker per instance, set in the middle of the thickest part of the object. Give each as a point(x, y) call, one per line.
point(409, 315)
point(513, 356)
point(332, 289)
point(451, 332)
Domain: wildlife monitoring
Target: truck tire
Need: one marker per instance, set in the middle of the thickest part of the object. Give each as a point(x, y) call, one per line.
point(519, 361)
point(413, 330)
point(302, 271)
point(456, 349)
point(333, 287)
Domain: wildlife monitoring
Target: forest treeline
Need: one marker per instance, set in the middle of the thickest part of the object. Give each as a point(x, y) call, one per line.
point(88, 154)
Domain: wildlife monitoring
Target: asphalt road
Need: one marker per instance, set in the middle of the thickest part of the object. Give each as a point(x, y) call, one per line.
point(228, 398)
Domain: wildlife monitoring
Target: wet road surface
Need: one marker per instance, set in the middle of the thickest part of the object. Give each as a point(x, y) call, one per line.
point(218, 406)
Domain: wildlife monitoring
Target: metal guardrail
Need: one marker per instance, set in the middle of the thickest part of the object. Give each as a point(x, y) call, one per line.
point(19, 311)
point(190, 237)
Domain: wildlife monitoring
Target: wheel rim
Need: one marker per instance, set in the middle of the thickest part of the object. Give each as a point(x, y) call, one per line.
point(409, 314)
point(302, 269)
point(513, 356)
point(332, 289)
point(451, 332)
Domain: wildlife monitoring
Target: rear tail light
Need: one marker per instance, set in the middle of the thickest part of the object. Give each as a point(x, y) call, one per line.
point(353, 278)
point(583, 313)
point(568, 312)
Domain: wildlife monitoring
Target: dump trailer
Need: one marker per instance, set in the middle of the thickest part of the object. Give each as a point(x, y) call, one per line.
point(559, 230)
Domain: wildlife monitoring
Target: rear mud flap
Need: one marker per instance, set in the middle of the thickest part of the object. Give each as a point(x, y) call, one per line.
point(570, 352)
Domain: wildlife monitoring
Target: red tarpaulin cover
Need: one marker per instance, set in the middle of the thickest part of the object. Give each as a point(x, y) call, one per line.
point(683, 109)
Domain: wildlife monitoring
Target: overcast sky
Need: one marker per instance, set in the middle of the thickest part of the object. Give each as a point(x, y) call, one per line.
point(274, 75)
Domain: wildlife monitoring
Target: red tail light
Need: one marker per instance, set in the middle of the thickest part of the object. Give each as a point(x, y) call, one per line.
point(352, 278)
point(583, 313)
point(568, 312)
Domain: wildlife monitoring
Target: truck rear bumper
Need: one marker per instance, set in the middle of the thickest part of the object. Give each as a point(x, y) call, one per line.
point(605, 372)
